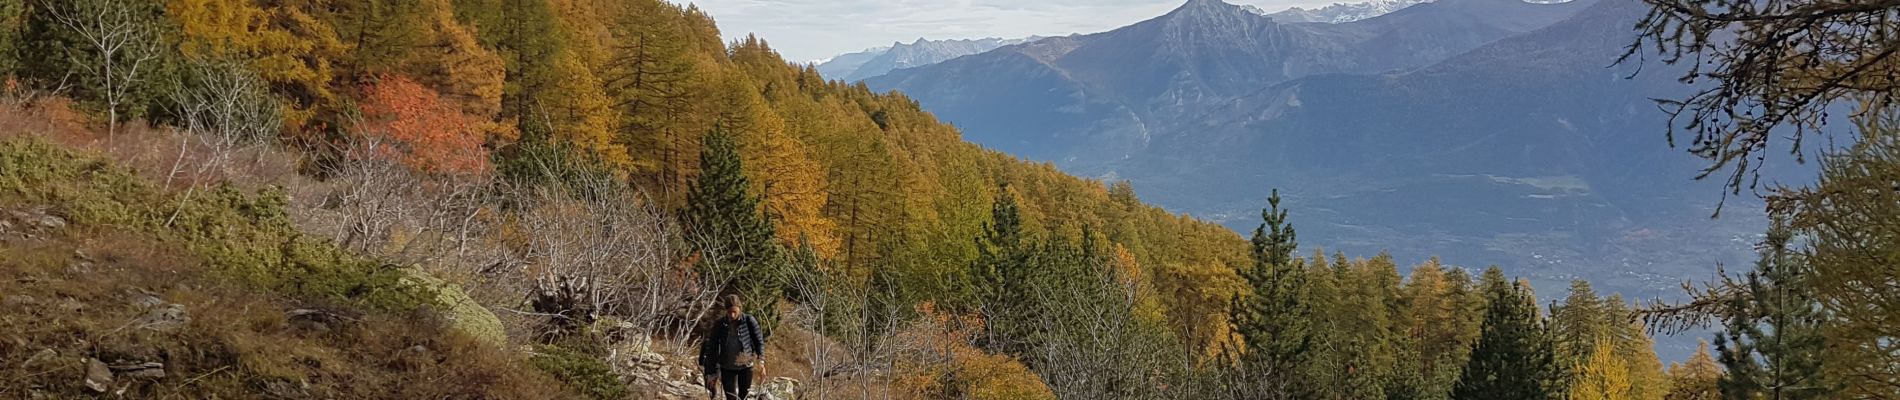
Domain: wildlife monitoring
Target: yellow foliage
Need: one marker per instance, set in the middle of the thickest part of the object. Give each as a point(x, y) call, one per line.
point(462, 70)
point(580, 114)
point(1201, 294)
point(1604, 376)
point(285, 43)
point(1696, 379)
point(954, 369)
point(783, 173)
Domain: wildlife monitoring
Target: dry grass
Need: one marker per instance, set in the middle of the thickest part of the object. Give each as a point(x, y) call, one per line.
point(93, 294)
point(109, 286)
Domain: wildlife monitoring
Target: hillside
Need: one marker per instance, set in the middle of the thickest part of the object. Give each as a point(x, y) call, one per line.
point(519, 199)
point(111, 287)
point(439, 160)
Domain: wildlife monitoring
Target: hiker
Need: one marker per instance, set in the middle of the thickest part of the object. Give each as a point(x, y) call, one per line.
point(732, 349)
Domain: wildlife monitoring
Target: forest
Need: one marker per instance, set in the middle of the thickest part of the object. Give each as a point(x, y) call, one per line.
point(528, 191)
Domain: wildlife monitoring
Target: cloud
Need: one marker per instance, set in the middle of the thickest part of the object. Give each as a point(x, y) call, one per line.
point(813, 29)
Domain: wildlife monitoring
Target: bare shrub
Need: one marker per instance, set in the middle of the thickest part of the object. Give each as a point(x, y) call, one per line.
point(557, 258)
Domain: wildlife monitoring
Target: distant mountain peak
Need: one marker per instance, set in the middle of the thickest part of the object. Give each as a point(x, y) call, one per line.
point(1208, 7)
point(920, 52)
point(1339, 13)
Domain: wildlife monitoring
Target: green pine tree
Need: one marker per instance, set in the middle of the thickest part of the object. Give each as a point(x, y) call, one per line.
point(733, 238)
point(1005, 274)
point(1771, 342)
point(1513, 359)
point(1273, 320)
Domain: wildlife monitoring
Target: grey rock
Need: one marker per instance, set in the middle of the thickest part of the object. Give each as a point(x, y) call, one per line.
point(146, 370)
point(20, 300)
point(146, 301)
point(47, 222)
point(98, 376)
point(165, 318)
point(43, 355)
point(70, 306)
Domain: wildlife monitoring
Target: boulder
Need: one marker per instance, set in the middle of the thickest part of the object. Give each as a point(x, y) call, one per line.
point(39, 219)
point(45, 355)
point(160, 315)
point(98, 375)
point(464, 313)
point(165, 318)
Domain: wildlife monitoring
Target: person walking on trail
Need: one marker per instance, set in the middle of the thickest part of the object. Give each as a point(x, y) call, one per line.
point(733, 349)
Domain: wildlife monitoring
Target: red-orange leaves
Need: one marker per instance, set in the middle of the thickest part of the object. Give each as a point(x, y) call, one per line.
point(420, 129)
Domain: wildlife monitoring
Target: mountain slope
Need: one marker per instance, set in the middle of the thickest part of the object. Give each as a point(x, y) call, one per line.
point(853, 67)
point(843, 65)
point(1103, 97)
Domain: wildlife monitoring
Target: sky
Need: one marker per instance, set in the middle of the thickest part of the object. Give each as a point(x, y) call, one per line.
point(805, 30)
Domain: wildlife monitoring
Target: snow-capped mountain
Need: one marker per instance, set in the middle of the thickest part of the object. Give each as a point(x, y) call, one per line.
point(842, 65)
point(878, 61)
point(1342, 12)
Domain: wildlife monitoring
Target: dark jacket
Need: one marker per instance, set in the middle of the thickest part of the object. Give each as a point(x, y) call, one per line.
point(713, 354)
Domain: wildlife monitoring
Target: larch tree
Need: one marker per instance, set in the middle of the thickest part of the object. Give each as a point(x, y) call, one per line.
point(286, 44)
point(790, 183)
point(1432, 321)
point(1638, 350)
point(1601, 375)
point(1578, 324)
point(1324, 294)
point(1368, 346)
point(469, 76)
point(1698, 378)
point(1847, 220)
point(1766, 67)
point(649, 73)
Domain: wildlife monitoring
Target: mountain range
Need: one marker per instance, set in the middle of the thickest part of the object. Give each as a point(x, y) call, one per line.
point(1342, 12)
point(852, 67)
point(877, 61)
point(1483, 131)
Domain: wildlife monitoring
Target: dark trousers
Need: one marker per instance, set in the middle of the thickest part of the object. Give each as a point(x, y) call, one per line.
point(737, 383)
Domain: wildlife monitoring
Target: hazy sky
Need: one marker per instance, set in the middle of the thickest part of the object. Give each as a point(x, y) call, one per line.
point(805, 30)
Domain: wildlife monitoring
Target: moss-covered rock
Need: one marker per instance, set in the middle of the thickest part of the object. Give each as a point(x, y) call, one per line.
point(464, 313)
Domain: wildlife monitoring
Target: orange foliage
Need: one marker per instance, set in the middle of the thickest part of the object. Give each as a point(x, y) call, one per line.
point(950, 367)
point(428, 134)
